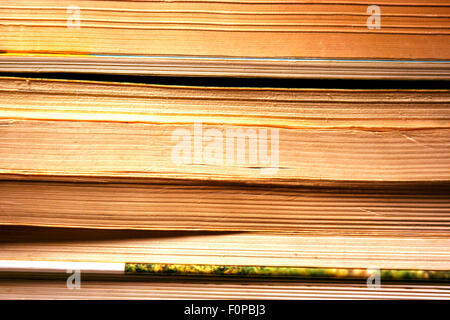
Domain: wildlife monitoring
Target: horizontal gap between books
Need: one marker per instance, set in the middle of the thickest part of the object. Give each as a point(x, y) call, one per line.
point(347, 187)
point(240, 82)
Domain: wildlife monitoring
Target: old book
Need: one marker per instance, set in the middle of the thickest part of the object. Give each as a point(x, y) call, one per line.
point(355, 39)
point(224, 248)
point(423, 212)
point(118, 288)
point(314, 137)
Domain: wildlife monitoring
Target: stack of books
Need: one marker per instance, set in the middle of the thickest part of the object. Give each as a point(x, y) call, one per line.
point(117, 185)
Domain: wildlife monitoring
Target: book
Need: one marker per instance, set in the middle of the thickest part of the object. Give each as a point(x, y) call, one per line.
point(299, 137)
point(351, 39)
point(118, 288)
point(224, 248)
point(422, 212)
